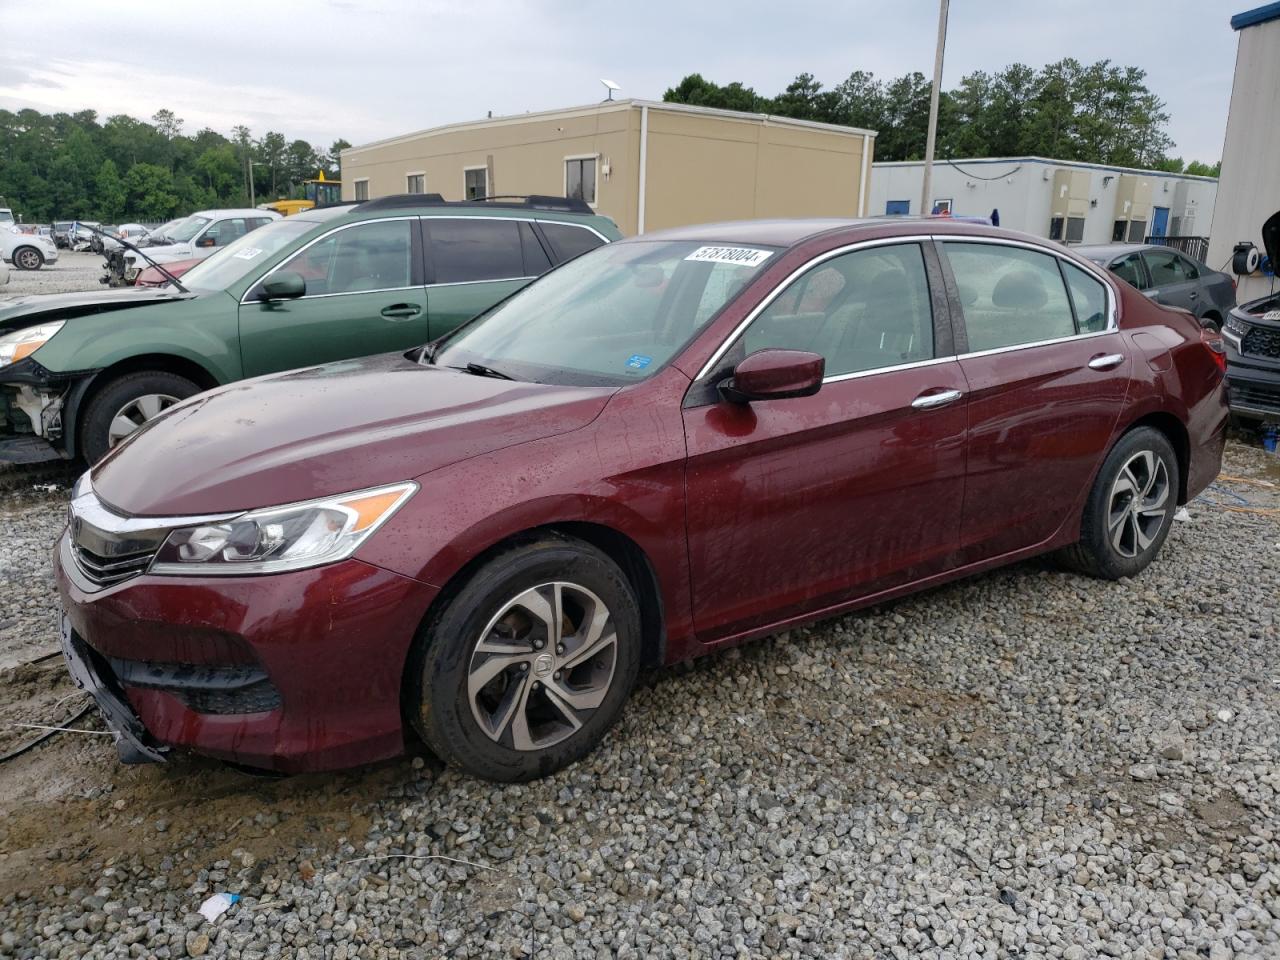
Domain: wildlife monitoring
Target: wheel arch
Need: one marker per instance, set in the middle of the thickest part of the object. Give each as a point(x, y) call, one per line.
point(161, 362)
point(1176, 432)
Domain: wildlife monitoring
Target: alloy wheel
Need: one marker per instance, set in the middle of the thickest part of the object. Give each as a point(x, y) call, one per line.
point(543, 665)
point(29, 259)
point(1138, 503)
point(135, 413)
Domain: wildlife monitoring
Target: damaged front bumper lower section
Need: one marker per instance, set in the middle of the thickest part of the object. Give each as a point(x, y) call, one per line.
point(33, 412)
point(133, 743)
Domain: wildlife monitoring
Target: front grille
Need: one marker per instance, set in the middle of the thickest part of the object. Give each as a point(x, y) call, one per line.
point(1255, 396)
point(261, 697)
point(106, 571)
point(1261, 342)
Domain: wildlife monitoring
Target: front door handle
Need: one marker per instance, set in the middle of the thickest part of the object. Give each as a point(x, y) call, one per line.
point(1193, 294)
point(1106, 361)
point(929, 401)
point(401, 311)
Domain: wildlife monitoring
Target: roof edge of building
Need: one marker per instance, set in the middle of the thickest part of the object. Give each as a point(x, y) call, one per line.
point(1251, 18)
point(610, 106)
point(1047, 160)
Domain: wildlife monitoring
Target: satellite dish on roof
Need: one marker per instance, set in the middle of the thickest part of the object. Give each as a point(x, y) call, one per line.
point(610, 86)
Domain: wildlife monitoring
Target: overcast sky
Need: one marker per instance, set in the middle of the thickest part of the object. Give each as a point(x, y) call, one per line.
point(367, 69)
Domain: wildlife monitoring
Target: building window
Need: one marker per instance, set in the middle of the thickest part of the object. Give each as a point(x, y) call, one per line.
point(942, 208)
point(897, 208)
point(580, 179)
point(1137, 231)
point(415, 183)
point(1055, 228)
point(362, 190)
point(475, 183)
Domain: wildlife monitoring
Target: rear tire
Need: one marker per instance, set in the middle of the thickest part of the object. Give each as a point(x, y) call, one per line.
point(135, 397)
point(1130, 508)
point(495, 687)
point(28, 258)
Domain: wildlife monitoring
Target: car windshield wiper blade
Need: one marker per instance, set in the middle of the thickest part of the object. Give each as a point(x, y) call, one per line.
point(480, 370)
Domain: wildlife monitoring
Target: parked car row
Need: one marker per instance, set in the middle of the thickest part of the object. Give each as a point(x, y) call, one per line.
point(323, 285)
point(458, 505)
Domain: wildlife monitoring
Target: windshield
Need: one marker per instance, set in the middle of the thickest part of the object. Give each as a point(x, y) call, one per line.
point(187, 229)
point(244, 254)
point(612, 316)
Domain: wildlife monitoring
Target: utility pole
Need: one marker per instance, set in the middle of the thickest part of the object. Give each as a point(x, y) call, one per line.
point(926, 190)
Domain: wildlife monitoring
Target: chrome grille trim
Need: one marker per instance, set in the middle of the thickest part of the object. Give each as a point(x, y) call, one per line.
point(108, 547)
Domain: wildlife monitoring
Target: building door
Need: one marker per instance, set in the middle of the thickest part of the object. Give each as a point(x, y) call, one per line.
point(1159, 221)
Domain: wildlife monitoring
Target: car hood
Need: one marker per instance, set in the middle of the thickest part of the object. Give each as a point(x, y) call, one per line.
point(162, 253)
point(23, 311)
point(327, 430)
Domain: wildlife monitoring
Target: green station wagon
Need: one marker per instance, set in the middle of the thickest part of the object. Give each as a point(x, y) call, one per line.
point(80, 372)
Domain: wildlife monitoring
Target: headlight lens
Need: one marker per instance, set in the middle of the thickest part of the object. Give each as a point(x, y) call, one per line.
point(22, 343)
point(277, 539)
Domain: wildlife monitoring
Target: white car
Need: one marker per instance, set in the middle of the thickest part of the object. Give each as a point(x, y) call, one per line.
point(26, 251)
point(133, 232)
point(201, 234)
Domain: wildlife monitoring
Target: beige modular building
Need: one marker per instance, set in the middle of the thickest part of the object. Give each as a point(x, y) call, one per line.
point(645, 164)
point(1250, 179)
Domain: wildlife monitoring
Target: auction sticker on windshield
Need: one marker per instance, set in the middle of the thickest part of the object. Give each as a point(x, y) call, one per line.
point(248, 253)
point(744, 256)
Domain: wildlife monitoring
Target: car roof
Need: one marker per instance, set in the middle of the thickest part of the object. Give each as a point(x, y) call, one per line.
point(235, 212)
point(789, 232)
point(1105, 251)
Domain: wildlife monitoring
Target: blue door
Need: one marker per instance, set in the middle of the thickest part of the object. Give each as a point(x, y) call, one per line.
point(897, 208)
point(1159, 221)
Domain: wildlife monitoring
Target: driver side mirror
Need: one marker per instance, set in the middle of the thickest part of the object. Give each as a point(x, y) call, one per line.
point(207, 241)
point(285, 285)
point(774, 374)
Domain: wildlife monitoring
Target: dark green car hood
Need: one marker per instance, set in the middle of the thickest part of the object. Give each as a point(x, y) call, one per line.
point(18, 312)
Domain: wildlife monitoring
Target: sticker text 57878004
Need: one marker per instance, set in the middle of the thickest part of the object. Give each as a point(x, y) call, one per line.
point(743, 256)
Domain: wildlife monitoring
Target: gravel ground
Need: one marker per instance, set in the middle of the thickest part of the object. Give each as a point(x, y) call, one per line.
point(72, 272)
point(1024, 764)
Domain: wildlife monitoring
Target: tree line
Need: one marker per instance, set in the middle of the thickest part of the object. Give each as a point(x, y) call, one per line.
point(1098, 113)
point(69, 166)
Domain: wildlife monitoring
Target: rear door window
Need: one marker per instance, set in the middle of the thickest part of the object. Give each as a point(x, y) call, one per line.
point(536, 261)
point(1089, 297)
point(1131, 270)
point(472, 249)
point(1010, 295)
point(1166, 267)
point(568, 240)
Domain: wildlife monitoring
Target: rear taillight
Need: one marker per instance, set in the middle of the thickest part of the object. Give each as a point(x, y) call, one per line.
point(1217, 348)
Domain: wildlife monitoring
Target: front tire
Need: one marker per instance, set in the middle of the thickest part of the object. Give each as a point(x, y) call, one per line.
point(1130, 509)
point(28, 258)
point(125, 404)
point(527, 667)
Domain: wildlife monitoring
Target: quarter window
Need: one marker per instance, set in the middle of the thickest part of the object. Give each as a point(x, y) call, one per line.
point(876, 313)
point(567, 241)
point(415, 183)
point(468, 250)
point(1010, 295)
point(476, 183)
point(580, 179)
point(1089, 297)
point(371, 256)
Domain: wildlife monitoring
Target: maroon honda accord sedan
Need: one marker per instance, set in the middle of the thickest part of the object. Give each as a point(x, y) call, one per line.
point(665, 447)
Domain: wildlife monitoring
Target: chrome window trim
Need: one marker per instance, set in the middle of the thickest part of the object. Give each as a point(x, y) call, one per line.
point(470, 283)
point(1092, 269)
point(911, 365)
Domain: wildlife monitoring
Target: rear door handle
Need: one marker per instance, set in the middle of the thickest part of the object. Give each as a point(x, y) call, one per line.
point(1106, 361)
point(401, 311)
point(929, 401)
point(1193, 294)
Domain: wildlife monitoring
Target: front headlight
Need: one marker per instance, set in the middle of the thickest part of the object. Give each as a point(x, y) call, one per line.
point(276, 539)
point(22, 343)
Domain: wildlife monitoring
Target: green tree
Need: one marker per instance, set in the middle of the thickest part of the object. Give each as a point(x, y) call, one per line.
point(271, 154)
point(697, 91)
point(109, 194)
point(333, 160)
point(149, 192)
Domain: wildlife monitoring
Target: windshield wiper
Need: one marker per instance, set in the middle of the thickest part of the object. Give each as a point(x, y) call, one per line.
point(125, 243)
point(480, 370)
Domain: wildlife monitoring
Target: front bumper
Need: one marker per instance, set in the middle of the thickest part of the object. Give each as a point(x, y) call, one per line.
point(292, 672)
point(1253, 384)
